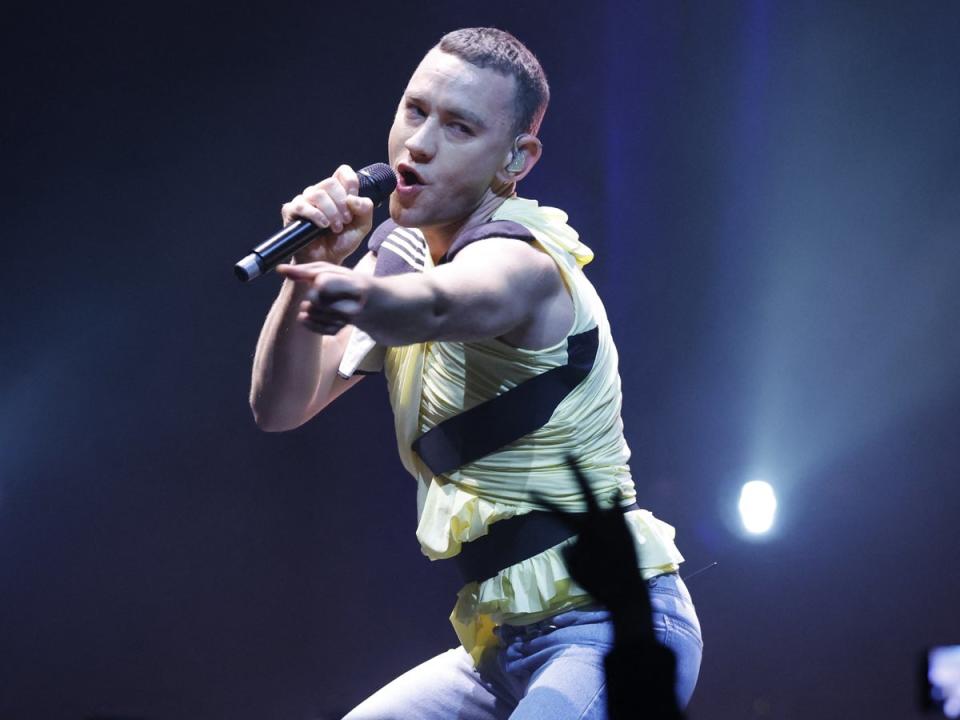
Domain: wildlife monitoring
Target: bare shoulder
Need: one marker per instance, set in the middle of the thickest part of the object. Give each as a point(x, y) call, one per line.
point(533, 281)
point(527, 267)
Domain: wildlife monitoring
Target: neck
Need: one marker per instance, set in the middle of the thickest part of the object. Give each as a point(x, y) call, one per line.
point(440, 237)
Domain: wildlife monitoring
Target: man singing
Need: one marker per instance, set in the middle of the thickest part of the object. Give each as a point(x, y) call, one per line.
point(500, 365)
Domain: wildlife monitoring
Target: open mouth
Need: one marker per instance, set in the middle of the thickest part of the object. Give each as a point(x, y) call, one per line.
point(408, 176)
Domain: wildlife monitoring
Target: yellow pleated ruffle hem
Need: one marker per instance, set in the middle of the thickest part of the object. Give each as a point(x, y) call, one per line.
point(540, 586)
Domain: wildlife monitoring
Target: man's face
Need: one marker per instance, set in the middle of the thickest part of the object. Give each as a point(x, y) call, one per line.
point(451, 134)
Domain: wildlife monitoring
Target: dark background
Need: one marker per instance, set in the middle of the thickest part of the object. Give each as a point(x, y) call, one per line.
point(772, 193)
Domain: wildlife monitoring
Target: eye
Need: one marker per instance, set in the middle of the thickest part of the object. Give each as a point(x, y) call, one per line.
point(461, 128)
point(414, 110)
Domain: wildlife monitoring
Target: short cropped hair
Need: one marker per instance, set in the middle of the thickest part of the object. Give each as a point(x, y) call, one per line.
point(499, 50)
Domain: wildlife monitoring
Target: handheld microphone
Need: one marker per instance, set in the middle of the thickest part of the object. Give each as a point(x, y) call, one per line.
point(377, 181)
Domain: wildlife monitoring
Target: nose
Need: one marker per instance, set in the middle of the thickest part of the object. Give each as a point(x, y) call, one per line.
point(422, 143)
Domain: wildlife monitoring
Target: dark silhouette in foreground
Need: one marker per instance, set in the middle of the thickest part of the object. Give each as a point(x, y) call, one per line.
point(641, 672)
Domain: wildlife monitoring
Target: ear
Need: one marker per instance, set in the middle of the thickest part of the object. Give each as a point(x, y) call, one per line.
point(521, 158)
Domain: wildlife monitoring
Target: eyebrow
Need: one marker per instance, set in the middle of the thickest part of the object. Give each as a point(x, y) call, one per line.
point(459, 113)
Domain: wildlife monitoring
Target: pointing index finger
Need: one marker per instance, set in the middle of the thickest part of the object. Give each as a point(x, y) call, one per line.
point(297, 273)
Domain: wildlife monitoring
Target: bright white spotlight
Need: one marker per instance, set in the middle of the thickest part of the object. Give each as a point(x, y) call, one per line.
point(758, 505)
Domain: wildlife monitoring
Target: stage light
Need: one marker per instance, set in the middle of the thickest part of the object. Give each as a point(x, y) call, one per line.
point(758, 506)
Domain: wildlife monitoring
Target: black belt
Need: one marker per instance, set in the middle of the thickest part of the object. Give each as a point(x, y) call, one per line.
point(513, 540)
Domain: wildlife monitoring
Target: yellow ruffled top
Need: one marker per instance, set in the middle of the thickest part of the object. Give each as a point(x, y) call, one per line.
point(430, 382)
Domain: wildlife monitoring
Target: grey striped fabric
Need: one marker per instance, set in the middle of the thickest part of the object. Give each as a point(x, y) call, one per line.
point(398, 250)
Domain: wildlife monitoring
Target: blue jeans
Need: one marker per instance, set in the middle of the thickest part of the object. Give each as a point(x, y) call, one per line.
point(550, 670)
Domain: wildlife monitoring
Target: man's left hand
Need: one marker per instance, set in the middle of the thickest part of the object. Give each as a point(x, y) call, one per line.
point(337, 295)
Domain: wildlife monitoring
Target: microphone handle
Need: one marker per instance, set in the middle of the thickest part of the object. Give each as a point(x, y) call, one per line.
point(274, 250)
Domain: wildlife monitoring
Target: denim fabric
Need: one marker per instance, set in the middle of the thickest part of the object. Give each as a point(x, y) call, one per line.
point(549, 670)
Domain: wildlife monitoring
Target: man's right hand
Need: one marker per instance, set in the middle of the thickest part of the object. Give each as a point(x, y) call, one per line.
point(332, 203)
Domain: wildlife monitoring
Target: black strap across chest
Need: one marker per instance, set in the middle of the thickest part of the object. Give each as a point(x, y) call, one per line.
point(491, 425)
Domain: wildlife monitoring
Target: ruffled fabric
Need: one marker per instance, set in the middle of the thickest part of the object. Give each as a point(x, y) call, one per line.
point(541, 586)
point(450, 516)
point(549, 225)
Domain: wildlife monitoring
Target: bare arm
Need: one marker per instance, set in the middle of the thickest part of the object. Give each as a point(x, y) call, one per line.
point(494, 288)
point(295, 370)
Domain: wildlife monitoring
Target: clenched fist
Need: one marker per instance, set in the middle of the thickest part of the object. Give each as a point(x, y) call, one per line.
point(332, 203)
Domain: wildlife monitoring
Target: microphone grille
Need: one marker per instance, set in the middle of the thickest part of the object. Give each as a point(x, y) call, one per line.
point(377, 181)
